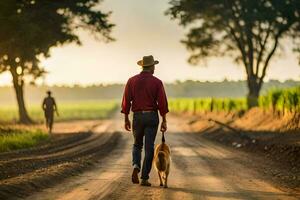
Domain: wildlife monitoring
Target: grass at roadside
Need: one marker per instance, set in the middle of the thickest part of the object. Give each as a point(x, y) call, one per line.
point(67, 111)
point(13, 139)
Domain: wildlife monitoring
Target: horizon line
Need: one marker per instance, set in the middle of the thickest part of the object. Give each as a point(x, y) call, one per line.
point(121, 83)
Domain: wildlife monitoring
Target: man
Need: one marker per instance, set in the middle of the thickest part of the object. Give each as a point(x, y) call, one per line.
point(145, 95)
point(49, 107)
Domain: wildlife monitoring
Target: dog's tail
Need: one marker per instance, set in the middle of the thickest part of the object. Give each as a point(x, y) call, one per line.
point(163, 138)
point(161, 165)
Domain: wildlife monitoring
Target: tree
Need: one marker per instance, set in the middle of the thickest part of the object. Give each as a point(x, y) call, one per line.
point(249, 31)
point(29, 28)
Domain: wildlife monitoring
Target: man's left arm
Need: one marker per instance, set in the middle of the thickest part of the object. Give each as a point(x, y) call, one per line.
point(55, 107)
point(162, 102)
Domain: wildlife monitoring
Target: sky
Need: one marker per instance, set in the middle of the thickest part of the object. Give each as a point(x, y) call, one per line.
point(143, 29)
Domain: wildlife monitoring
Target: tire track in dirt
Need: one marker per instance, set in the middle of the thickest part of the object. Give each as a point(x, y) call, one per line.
point(11, 167)
point(58, 143)
point(41, 171)
point(52, 154)
point(107, 176)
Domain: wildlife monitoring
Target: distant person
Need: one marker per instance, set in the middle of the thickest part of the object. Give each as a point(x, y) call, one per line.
point(49, 107)
point(145, 95)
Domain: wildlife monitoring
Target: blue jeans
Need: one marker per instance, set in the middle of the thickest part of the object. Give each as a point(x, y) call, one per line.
point(144, 124)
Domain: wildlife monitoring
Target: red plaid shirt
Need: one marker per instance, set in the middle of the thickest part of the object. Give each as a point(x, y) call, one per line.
point(144, 92)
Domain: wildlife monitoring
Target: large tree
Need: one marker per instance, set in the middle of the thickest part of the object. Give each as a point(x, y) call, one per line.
point(29, 28)
point(249, 31)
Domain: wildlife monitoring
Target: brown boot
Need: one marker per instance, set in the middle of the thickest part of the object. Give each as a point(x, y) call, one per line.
point(135, 176)
point(145, 183)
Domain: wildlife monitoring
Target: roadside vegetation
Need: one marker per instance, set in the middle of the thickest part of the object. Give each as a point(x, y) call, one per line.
point(279, 101)
point(14, 138)
point(206, 104)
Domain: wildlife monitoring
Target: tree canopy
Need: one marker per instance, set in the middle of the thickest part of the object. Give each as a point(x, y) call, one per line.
point(249, 31)
point(29, 28)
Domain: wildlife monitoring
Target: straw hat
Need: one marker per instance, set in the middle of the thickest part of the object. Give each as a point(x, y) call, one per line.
point(147, 61)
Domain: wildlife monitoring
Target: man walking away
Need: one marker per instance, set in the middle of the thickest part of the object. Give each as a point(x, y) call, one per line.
point(49, 107)
point(145, 95)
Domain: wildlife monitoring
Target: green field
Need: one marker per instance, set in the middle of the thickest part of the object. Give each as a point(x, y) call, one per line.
point(67, 111)
point(196, 105)
point(13, 138)
point(286, 100)
point(279, 100)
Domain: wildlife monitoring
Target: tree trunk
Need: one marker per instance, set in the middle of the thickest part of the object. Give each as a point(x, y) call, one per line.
point(18, 86)
point(253, 94)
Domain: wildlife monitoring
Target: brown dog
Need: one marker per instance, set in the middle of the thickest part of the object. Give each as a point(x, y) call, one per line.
point(162, 161)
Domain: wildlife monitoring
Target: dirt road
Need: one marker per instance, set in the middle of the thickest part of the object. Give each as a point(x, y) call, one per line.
point(200, 170)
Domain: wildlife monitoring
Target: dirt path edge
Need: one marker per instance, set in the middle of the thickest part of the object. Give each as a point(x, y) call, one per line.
point(48, 177)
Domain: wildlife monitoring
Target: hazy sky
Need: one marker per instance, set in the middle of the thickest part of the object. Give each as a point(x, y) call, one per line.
point(143, 29)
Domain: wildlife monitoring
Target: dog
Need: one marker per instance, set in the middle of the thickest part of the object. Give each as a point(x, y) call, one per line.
point(162, 161)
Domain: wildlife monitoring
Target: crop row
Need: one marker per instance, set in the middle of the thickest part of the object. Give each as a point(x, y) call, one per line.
point(277, 100)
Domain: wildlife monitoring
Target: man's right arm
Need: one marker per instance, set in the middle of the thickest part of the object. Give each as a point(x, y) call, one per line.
point(127, 123)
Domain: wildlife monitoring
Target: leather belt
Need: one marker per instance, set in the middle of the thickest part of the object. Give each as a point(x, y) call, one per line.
point(145, 111)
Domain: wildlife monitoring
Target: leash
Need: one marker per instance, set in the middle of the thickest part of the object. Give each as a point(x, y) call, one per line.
point(163, 137)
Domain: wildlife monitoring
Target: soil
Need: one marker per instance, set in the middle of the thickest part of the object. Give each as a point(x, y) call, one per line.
point(267, 135)
point(96, 164)
point(68, 153)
